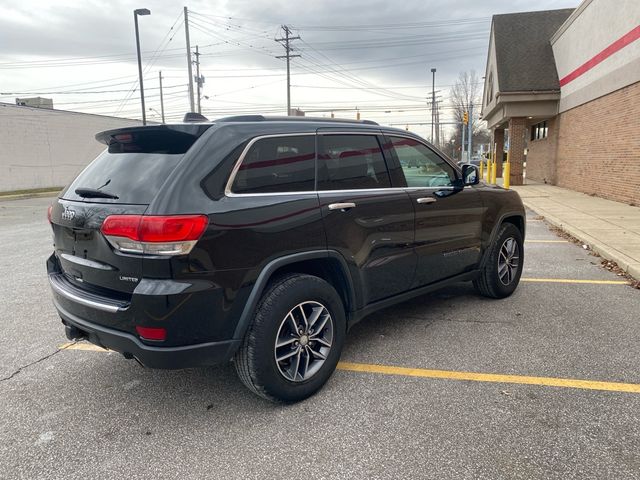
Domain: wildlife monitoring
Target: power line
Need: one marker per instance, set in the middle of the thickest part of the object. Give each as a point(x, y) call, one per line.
point(82, 92)
point(402, 26)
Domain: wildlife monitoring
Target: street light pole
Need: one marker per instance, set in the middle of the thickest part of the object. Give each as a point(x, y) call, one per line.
point(140, 11)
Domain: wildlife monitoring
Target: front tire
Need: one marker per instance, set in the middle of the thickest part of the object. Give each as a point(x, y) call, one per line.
point(501, 273)
point(294, 343)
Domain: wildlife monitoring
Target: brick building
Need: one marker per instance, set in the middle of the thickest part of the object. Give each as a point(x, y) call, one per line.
point(562, 94)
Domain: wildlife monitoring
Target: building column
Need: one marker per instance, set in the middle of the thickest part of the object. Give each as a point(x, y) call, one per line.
point(498, 142)
point(517, 143)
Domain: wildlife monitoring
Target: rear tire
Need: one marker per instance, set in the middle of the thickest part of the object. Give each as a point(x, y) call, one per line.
point(294, 343)
point(501, 273)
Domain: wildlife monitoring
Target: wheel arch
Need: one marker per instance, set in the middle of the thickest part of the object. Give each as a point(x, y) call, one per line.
point(515, 218)
point(326, 264)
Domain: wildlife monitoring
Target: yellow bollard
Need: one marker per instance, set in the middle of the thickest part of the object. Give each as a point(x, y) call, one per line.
point(506, 173)
point(488, 171)
point(494, 169)
point(481, 169)
point(506, 170)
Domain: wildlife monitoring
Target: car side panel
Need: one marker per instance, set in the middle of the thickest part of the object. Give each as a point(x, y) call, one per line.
point(448, 233)
point(499, 204)
point(376, 236)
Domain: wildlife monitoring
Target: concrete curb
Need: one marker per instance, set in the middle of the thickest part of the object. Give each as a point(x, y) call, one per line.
point(605, 251)
point(21, 196)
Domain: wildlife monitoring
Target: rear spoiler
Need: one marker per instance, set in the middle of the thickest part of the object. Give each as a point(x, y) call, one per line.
point(169, 139)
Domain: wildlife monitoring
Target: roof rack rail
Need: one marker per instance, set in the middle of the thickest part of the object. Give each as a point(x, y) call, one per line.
point(262, 118)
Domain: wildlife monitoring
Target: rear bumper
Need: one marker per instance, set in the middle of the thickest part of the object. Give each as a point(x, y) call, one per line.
point(187, 356)
point(198, 313)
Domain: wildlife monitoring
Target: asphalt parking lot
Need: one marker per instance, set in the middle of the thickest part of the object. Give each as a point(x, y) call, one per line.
point(490, 389)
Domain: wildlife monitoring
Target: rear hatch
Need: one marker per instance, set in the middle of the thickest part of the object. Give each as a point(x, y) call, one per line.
point(123, 179)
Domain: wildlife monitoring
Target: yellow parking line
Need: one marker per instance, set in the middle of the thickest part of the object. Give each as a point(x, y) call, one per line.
point(89, 347)
point(490, 377)
point(574, 280)
point(447, 374)
point(545, 241)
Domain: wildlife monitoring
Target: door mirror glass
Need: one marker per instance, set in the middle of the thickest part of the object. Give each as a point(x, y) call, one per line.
point(470, 174)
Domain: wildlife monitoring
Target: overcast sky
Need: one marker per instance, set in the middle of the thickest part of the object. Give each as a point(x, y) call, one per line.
point(374, 55)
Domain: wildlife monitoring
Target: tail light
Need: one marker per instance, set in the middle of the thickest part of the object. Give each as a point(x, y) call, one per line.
point(49, 210)
point(154, 235)
point(151, 333)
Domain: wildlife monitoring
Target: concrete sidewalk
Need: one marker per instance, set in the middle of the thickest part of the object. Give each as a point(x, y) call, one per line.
point(610, 228)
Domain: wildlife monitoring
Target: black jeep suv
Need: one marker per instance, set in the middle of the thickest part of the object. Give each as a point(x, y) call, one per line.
point(263, 240)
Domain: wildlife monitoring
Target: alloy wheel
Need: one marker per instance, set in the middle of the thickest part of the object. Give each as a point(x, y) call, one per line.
point(508, 261)
point(303, 341)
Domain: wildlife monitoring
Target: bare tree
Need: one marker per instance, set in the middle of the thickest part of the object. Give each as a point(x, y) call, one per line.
point(466, 91)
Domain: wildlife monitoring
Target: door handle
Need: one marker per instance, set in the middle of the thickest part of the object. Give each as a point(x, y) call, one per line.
point(341, 206)
point(426, 200)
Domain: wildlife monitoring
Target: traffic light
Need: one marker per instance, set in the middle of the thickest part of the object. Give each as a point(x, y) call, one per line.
point(465, 118)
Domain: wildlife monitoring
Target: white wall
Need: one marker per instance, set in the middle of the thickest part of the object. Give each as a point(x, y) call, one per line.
point(42, 148)
point(594, 26)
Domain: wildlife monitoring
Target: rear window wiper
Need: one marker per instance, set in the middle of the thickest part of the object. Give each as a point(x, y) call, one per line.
point(94, 193)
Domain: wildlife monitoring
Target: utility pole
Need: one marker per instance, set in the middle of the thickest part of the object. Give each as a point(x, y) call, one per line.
point(186, 33)
point(199, 79)
point(161, 98)
point(441, 131)
point(462, 143)
point(287, 48)
point(437, 124)
point(433, 104)
point(470, 133)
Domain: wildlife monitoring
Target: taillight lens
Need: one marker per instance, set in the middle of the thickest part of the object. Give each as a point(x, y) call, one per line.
point(154, 235)
point(151, 333)
point(49, 210)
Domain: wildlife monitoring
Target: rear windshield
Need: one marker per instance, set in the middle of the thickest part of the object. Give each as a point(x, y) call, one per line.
point(134, 178)
point(134, 166)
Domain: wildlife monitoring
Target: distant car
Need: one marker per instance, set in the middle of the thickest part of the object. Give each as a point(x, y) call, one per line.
point(409, 163)
point(475, 160)
point(264, 239)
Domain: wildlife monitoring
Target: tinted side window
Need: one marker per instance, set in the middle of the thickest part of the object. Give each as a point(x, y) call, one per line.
point(422, 167)
point(277, 164)
point(348, 162)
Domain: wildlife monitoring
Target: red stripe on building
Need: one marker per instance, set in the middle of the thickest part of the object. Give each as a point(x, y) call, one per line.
point(604, 54)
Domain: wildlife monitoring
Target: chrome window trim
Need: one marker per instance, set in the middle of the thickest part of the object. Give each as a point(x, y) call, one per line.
point(229, 193)
point(350, 191)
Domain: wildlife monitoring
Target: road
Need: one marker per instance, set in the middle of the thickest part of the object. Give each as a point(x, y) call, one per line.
point(83, 413)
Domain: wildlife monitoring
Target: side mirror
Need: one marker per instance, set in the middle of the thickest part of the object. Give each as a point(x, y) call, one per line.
point(470, 174)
